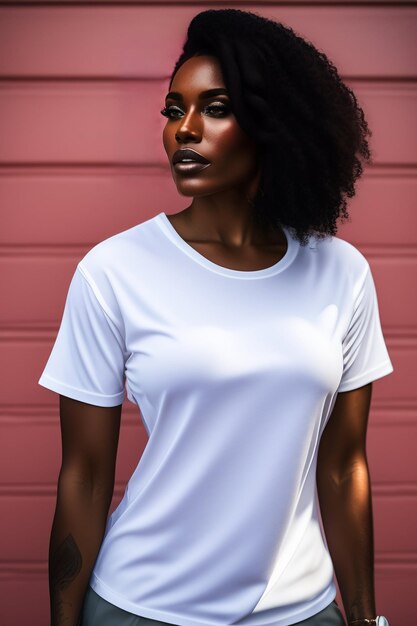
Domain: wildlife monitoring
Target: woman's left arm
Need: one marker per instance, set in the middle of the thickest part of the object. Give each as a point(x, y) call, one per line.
point(344, 492)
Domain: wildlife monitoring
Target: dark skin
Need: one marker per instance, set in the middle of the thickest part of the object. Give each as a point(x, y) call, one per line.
point(90, 437)
point(344, 491)
point(218, 224)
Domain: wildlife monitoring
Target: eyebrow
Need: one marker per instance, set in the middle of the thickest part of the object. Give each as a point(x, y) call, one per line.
point(175, 95)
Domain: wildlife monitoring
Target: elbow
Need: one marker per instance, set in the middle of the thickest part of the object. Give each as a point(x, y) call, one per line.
point(336, 477)
point(82, 480)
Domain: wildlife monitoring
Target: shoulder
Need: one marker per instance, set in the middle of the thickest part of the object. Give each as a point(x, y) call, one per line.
point(114, 263)
point(340, 255)
point(334, 266)
point(119, 252)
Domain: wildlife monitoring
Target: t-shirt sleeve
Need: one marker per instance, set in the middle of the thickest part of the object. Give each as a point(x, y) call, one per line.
point(87, 361)
point(365, 355)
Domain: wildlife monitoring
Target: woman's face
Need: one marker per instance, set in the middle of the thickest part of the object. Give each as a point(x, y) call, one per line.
point(207, 125)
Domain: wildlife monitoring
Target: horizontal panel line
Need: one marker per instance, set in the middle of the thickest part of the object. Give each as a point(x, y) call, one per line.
point(395, 561)
point(27, 418)
point(86, 165)
point(15, 248)
point(385, 79)
point(131, 417)
point(374, 170)
point(41, 408)
point(47, 331)
point(387, 251)
point(39, 411)
point(17, 570)
point(392, 490)
point(107, 168)
point(396, 557)
point(15, 411)
point(145, 3)
point(45, 491)
point(103, 79)
point(403, 416)
point(162, 165)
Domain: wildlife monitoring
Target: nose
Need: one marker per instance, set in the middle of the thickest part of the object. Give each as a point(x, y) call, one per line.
point(187, 129)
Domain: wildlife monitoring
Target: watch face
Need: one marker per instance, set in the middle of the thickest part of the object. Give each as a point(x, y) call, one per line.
point(381, 621)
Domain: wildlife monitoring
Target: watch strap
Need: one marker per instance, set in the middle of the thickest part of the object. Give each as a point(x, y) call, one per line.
point(379, 620)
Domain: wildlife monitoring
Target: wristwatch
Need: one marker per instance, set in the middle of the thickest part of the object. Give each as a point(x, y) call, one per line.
point(380, 620)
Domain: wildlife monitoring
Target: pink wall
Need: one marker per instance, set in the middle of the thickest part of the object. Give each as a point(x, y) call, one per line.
point(81, 158)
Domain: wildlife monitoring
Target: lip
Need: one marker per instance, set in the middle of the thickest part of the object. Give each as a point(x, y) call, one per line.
point(189, 153)
point(190, 168)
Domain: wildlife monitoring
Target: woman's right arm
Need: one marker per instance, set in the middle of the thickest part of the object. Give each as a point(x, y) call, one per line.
point(90, 436)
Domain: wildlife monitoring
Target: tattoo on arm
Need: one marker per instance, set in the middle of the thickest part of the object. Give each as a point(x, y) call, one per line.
point(65, 565)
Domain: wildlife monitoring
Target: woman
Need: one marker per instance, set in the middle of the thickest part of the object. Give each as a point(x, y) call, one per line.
point(249, 336)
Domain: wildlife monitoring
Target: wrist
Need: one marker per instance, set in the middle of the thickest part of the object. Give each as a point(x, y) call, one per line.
point(379, 620)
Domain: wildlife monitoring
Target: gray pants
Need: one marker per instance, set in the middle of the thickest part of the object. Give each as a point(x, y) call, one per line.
point(98, 612)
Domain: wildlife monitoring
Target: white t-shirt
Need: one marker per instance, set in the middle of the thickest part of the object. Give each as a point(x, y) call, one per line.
point(235, 373)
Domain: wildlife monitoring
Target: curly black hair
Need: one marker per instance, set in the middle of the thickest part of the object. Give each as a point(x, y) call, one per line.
point(289, 98)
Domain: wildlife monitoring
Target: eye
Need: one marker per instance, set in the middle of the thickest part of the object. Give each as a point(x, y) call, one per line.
point(167, 111)
point(220, 108)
